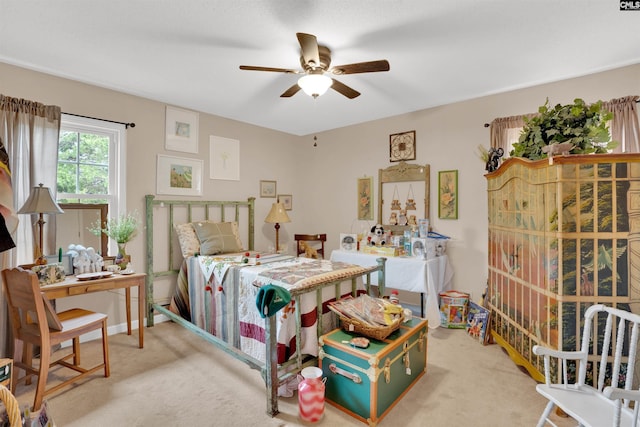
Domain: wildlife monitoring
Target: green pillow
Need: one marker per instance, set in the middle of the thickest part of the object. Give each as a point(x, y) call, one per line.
point(218, 237)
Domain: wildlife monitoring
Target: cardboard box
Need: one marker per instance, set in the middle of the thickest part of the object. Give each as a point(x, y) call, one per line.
point(381, 250)
point(366, 383)
point(453, 309)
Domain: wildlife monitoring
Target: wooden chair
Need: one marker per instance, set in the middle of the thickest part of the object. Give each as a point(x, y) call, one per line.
point(34, 322)
point(607, 356)
point(308, 239)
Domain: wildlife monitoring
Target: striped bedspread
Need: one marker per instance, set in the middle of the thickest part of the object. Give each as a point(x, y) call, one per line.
point(225, 306)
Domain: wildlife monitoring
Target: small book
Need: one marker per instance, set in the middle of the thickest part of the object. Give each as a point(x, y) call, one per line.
point(478, 322)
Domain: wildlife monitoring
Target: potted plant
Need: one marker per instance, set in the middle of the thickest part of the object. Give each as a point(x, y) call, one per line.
point(579, 126)
point(121, 229)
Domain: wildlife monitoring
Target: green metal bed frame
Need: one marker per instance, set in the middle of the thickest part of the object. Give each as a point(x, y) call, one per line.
point(272, 372)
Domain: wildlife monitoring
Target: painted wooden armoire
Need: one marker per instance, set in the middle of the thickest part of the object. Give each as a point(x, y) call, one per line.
point(562, 235)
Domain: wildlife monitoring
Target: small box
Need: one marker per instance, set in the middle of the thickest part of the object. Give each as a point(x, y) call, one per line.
point(49, 273)
point(453, 309)
point(381, 250)
point(366, 383)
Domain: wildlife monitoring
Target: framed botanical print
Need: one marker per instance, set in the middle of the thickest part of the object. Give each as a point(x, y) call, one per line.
point(224, 158)
point(448, 194)
point(402, 146)
point(365, 198)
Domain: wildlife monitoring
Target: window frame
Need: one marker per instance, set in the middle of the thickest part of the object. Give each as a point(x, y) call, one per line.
point(117, 196)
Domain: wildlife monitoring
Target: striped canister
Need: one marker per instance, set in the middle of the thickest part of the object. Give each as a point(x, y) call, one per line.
point(311, 394)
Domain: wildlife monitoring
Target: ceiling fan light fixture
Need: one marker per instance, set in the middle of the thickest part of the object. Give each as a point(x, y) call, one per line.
point(315, 85)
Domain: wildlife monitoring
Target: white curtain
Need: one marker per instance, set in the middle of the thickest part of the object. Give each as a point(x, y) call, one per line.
point(30, 132)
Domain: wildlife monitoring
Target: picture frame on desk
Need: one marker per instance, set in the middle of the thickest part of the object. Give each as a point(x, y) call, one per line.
point(67, 262)
point(349, 242)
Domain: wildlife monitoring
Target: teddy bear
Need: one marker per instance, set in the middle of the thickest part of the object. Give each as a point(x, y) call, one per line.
point(377, 235)
point(393, 220)
point(309, 252)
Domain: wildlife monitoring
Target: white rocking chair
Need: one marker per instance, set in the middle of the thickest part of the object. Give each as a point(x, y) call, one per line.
point(599, 405)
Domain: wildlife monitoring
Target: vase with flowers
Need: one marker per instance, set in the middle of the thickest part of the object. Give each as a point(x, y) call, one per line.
point(121, 229)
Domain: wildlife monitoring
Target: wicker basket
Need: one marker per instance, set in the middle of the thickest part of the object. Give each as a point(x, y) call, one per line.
point(376, 332)
point(11, 406)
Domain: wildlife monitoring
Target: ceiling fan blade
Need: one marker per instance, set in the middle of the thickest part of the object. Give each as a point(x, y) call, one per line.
point(275, 70)
point(344, 89)
point(291, 91)
point(309, 48)
point(361, 67)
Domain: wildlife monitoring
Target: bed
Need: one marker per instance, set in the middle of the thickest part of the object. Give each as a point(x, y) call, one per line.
point(209, 285)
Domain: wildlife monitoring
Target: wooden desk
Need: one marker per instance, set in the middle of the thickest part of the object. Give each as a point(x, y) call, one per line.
point(428, 277)
point(71, 287)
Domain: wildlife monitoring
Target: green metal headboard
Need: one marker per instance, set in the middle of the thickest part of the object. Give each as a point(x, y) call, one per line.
point(171, 205)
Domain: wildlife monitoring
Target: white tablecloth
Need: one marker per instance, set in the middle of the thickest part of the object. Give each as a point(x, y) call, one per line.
point(429, 277)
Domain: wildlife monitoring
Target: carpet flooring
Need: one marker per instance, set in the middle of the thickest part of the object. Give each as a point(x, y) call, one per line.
point(179, 380)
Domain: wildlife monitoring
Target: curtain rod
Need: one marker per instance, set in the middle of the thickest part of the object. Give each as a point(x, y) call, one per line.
point(488, 124)
point(126, 125)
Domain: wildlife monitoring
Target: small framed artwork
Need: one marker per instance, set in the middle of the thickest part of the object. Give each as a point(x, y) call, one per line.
point(349, 242)
point(268, 189)
point(224, 158)
point(179, 176)
point(286, 200)
point(67, 262)
point(181, 130)
point(402, 146)
point(365, 198)
point(448, 194)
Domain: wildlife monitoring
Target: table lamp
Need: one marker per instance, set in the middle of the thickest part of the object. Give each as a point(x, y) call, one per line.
point(277, 215)
point(40, 202)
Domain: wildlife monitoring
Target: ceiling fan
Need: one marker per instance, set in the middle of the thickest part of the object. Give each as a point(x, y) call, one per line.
point(316, 60)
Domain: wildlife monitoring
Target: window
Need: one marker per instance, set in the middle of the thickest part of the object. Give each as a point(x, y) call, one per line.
point(91, 163)
point(513, 134)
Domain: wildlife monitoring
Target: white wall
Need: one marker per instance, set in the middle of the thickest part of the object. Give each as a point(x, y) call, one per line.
point(321, 179)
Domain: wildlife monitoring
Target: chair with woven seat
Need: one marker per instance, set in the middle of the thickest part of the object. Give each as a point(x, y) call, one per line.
point(34, 322)
point(314, 241)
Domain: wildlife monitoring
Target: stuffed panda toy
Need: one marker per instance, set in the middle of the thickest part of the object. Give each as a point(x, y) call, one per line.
point(376, 236)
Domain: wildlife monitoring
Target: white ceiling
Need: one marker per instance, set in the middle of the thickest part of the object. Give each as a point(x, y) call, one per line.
point(186, 52)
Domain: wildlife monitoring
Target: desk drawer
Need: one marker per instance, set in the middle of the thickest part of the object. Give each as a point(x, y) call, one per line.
point(92, 287)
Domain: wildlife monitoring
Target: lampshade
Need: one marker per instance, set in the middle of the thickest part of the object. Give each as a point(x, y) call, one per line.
point(315, 84)
point(40, 201)
point(277, 215)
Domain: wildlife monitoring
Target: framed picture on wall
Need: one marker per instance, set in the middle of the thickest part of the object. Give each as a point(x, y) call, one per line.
point(448, 194)
point(402, 146)
point(268, 189)
point(224, 158)
point(365, 198)
point(286, 200)
point(179, 176)
point(181, 130)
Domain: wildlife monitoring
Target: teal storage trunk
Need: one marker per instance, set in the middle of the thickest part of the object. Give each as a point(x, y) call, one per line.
point(367, 382)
